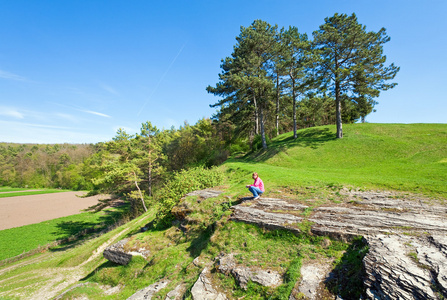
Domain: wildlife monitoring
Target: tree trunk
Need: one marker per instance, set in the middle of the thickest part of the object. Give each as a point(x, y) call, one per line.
point(338, 110)
point(294, 106)
point(139, 191)
point(261, 116)
point(149, 171)
point(256, 115)
point(338, 101)
point(277, 103)
point(149, 175)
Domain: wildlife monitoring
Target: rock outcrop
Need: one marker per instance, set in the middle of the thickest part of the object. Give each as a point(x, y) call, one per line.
point(227, 265)
point(204, 290)
point(407, 241)
point(182, 210)
point(406, 267)
point(270, 213)
point(148, 292)
point(177, 293)
point(117, 253)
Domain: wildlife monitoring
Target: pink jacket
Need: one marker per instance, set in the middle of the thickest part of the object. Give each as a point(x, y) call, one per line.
point(259, 184)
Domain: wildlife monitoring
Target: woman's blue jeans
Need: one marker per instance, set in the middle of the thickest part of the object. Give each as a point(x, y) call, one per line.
point(255, 191)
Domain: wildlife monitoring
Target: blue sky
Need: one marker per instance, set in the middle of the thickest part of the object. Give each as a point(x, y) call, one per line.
point(76, 71)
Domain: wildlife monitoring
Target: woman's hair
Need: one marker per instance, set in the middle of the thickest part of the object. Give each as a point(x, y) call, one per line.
point(256, 174)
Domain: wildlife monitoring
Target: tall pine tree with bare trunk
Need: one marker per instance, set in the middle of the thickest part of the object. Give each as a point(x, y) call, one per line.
point(351, 62)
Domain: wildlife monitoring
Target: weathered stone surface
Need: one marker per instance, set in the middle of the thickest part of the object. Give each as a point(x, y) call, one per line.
point(404, 267)
point(177, 293)
point(206, 193)
point(118, 254)
point(407, 240)
point(148, 292)
point(258, 214)
point(204, 290)
point(377, 215)
point(243, 275)
point(311, 277)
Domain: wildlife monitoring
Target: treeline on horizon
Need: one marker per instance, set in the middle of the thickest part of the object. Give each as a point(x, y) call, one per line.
point(90, 166)
point(275, 81)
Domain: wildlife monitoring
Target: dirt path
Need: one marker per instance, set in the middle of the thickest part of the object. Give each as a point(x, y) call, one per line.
point(62, 278)
point(23, 210)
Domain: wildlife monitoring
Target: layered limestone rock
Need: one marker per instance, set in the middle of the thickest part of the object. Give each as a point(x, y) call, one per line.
point(407, 237)
point(270, 213)
point(148, 292)
point(405, 267)
point(177, 293)
point(227, 265)
point(205, 194)
point(117, 253)
point(204, 290)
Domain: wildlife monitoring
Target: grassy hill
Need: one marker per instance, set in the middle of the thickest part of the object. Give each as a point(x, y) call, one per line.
point(310, 169)
point(410, 158)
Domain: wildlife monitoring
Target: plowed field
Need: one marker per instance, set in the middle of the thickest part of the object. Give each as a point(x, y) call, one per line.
point(23, 210)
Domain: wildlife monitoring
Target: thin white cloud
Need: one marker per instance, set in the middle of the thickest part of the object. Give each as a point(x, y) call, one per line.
point(11, 76)
point(109, 89)
point(82, 110)
point(17, 132)
point(11, 112)
point(96, 113)
point(66, 117)
point(11, 124)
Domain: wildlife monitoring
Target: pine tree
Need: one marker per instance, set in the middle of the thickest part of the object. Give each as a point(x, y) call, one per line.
point(296, 55)
point(351, 60)
point(246, 78)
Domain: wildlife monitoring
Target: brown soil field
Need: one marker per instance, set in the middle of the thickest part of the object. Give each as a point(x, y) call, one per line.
point(23, 210)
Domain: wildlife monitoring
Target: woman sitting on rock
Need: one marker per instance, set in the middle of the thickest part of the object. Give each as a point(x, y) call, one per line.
point(257, 188)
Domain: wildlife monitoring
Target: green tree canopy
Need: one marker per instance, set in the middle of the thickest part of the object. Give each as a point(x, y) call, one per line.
point(351, 61)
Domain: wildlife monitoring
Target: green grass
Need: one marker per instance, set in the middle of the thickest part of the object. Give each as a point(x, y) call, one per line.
point(311, 169)
point(15, 241)
point(410, 158)
point(28, 275)
point(12, 192)
point(277, 250)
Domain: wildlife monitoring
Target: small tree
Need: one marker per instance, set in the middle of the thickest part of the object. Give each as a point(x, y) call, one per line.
point(150, 156)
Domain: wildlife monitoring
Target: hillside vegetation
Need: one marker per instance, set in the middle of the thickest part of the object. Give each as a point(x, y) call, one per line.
point(410, 158)
point(311, 169)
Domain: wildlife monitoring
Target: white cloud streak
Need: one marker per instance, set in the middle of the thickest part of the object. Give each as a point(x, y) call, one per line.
point(17, 132)
point(11, 76)
point(109, 89)
point(11, 112)
point(96, 113)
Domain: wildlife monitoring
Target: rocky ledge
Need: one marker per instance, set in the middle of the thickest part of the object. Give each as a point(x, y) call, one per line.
point(407, 241)
point(120, 254)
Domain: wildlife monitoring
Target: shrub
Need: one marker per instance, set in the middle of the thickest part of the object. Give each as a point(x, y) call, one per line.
point(257, 142)
point(182, 183)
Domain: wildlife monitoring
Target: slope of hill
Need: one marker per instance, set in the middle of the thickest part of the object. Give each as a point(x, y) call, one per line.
point(261, 260)
point(410, 158)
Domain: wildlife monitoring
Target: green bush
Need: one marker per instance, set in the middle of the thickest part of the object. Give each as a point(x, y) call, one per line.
point(257, 142)
point(182, 183)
